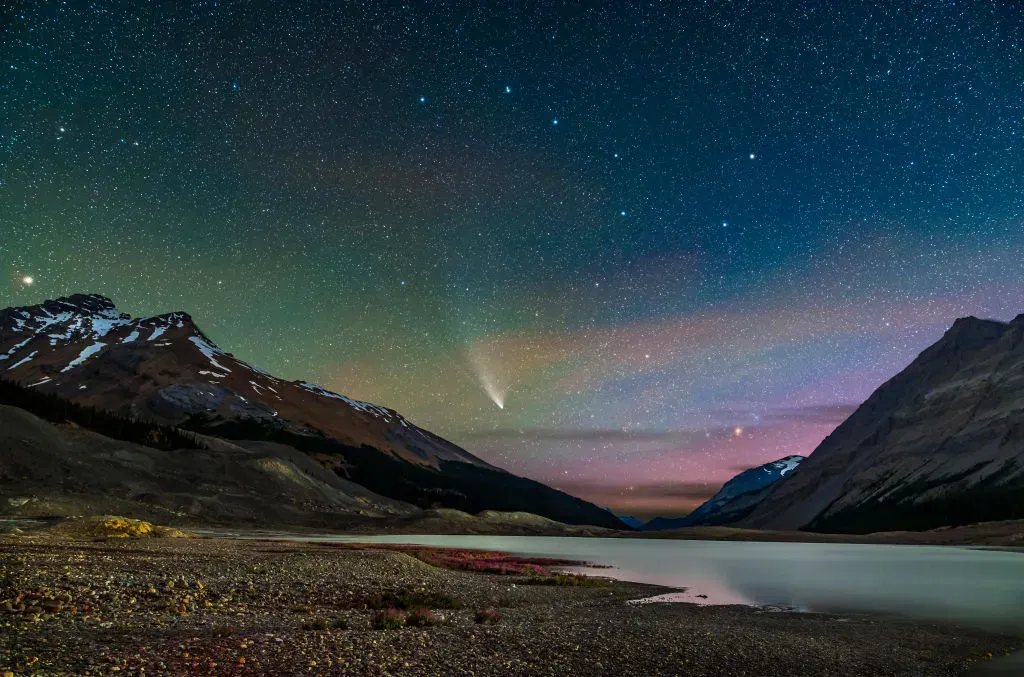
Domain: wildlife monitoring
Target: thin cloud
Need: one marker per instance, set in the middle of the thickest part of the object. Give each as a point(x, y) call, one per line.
point(582, 435)
point(687, 492)
point(823, 414)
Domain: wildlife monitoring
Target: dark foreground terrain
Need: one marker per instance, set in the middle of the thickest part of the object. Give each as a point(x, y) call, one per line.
point(189, 606)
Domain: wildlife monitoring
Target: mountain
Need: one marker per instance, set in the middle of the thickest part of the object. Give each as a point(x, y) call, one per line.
point(735, 500)
point(939, 444)
point(163, 369)
point(166, 370)
point(631, 522)
point(48, 469)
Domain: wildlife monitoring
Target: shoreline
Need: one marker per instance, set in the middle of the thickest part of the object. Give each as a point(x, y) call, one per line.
point(766, 537)
point(232, 606)
point(1006, 535)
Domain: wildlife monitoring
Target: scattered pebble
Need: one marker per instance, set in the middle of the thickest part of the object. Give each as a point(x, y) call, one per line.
point(230, 607)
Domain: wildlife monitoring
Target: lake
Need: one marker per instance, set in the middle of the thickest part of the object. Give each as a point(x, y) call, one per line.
point(972, 586)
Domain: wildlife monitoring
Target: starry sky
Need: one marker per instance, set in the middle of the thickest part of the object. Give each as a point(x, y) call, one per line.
point(628, 248)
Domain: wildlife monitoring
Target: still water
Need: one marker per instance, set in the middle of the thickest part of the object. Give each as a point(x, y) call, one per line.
point(977, 587)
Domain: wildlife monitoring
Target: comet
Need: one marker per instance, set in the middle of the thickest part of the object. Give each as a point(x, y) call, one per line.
point(484, 372)
point(496, 395)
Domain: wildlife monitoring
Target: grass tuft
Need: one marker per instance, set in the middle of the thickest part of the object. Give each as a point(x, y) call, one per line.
point(419, 618)
point(567, 580)
point(388, 619)
point(409, 599)
point(487, 617)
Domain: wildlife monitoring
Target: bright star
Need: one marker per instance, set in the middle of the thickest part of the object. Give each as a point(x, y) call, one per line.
point(752, 156)
point(555, 121)
point(423, 99)
point(622, 213)
point(508, 90)
point(28, 280)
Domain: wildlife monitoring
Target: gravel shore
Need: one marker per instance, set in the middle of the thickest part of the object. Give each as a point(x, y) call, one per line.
point(225, 607)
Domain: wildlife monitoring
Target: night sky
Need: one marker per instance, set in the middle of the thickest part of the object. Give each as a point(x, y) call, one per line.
point(671, 242)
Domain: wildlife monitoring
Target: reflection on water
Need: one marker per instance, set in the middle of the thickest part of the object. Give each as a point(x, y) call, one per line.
point(698, 589)
point(983, 588)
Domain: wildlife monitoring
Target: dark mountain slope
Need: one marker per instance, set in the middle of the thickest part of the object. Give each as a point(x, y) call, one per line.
point(53, 469)
point(941, 443)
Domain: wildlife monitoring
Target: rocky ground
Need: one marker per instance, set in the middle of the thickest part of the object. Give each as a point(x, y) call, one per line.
point(193, 606)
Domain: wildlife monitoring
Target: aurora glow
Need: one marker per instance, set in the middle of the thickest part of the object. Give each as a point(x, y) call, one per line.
point(745, 217)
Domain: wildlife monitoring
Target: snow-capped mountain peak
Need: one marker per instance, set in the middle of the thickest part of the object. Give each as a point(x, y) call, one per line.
point(785, 465)
point(737, 497)
point(82, 346)
point(164, 369)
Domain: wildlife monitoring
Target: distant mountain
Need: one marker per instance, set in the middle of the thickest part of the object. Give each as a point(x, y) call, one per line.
point(165, 370)
point(939, 444)
point(735, 500)
point(631, 522)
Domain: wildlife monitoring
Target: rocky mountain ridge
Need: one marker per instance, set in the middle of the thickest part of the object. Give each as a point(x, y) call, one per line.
point(164, 369)
point(939, 444)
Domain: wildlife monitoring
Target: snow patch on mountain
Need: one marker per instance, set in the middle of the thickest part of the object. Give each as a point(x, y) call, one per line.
point(365, 407)
point(101, 326)
point(736, 499)
point(209, 351)
point(18, 346)
point(23, 361)
point(88, 352)
point(787, 465)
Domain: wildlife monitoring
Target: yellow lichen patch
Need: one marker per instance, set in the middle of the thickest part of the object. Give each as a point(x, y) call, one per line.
point(112, 526)
point(120, 527)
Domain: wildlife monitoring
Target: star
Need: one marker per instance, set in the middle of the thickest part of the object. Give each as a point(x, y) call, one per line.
point(326, 187)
